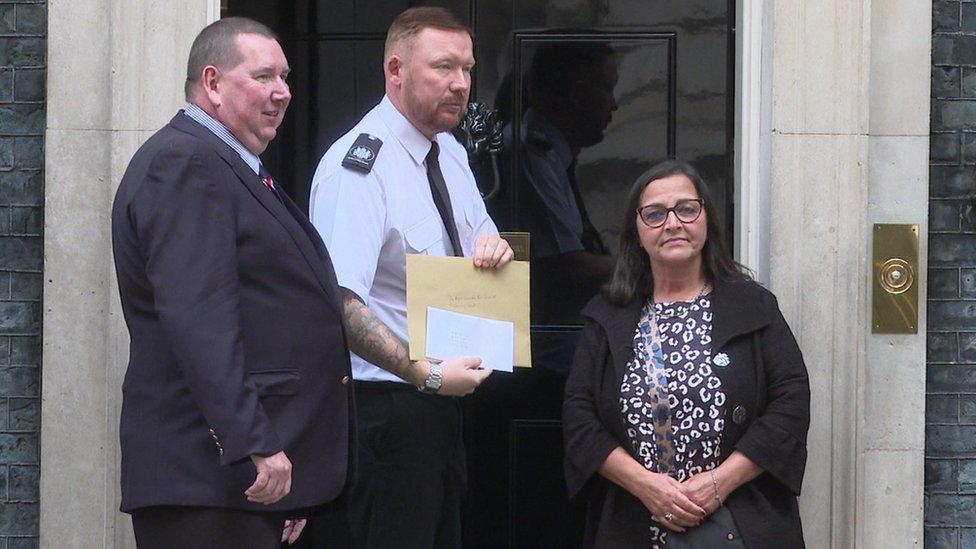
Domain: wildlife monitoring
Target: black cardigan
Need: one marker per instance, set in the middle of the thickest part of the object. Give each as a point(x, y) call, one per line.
point(766, 381)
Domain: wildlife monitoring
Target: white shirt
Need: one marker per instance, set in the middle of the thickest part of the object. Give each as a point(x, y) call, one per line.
point(371, 221)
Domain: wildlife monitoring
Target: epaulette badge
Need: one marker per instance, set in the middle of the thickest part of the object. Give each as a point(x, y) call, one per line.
point(363, 152)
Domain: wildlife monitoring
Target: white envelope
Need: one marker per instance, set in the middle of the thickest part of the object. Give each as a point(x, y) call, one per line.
point(451, 334)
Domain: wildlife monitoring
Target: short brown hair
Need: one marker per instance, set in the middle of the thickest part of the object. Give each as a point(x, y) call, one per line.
point(411, 22)
point(217, 45)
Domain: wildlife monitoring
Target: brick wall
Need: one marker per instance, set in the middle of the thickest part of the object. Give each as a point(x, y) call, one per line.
point(23, 27)
point(950, 407)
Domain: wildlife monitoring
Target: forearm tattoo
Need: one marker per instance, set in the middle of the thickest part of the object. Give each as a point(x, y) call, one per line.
point(373, 340)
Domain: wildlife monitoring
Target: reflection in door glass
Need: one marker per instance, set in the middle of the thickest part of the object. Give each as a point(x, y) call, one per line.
point(591, 114)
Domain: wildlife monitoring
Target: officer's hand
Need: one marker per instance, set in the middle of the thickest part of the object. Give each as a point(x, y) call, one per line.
point(492, 251)
point(461, 376)
point(273, 481)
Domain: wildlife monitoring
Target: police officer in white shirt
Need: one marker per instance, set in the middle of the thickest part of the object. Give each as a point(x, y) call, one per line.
point(398, 183)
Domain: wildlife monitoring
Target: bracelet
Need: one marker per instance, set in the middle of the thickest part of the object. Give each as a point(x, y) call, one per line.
point(715, 487)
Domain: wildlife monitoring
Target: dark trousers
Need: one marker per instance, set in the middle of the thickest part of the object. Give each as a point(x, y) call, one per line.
point(166, 527)
point(412, 475)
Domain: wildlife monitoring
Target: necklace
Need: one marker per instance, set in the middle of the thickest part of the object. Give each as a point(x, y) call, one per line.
point(678, 308)
point(701, 293)
point(692, 300)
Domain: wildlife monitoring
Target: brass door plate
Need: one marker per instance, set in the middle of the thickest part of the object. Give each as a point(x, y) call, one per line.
point(519, 242)
point(894, 279)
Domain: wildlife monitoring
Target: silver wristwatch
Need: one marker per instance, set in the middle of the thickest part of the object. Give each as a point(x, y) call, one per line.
point(433, 382)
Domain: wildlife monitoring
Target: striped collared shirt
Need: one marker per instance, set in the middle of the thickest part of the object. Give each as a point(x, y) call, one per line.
point(221, 131)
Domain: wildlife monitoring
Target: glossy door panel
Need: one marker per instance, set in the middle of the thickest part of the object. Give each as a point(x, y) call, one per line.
point(371, 16)
point(608, 100)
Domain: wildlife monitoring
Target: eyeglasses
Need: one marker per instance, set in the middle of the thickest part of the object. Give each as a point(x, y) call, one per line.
point(687, 211)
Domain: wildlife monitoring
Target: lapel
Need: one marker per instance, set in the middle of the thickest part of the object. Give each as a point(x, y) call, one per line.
point(735, 311)
point(620, 335)
point(302, 237)
point(325, 260)
point(619, 325)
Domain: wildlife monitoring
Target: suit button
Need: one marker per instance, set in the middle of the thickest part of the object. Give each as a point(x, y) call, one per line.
point(739, 415)
point(730, 536)
point(345, 380)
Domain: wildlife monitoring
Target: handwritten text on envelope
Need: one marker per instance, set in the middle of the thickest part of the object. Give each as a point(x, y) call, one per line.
point(453, 284)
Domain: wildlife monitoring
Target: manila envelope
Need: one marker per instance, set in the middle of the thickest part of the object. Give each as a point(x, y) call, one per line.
point(453, 283)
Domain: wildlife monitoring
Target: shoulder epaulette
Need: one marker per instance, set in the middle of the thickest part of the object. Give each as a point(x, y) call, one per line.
point(363, 153)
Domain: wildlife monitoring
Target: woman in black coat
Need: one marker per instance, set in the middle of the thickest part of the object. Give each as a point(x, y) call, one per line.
point(688, 403)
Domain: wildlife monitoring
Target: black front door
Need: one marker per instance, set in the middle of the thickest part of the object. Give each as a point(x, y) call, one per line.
point(587, 95)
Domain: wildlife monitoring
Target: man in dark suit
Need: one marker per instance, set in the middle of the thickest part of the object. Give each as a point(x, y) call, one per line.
point(236, 405)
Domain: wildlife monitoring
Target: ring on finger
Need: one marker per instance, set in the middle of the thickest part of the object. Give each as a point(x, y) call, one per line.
point(668, 517)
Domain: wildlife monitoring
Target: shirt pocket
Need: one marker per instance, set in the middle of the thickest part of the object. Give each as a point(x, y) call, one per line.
point(424, 235)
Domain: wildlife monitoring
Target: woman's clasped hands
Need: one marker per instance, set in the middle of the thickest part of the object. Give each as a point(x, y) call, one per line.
point(680, 505)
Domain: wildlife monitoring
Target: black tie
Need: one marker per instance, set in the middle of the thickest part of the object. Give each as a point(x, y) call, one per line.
point(591, 237)
point(438, 189)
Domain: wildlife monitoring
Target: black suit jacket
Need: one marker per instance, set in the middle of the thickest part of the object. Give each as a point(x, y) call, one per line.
point(766, 380)
point(237, 342)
